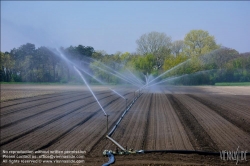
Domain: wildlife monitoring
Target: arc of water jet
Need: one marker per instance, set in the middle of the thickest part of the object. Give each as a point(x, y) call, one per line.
point(113, 74)
point(80, 68)
point(176, 77)
point(146, 78)
point(116, 72)
point(165, 80)
point(166, 72)
point(83, 81)
point(117, 76)
point(132, 78)
point(140, 81)
point(169, 70)
point(90, 89)
point(117, 93)
point(92, 76)
point(98, 68)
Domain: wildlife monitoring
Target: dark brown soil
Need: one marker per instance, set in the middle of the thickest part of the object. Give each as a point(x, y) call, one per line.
point(172, 118)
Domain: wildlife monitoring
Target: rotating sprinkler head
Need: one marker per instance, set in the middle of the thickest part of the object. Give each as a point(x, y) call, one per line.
point(122, 149)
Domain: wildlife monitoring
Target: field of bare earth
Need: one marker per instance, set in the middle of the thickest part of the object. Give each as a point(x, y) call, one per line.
point(62, 117)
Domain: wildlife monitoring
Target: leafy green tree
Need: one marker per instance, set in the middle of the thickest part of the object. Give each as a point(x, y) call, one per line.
point(219, 57)
point(238, 69)
point(80, 52)
point(98, 55)
point(199, 42)
point(23, 61)
point(46, 64)
point(6, 70)
point(173, 61)
point(85, 51)
point(146, 64)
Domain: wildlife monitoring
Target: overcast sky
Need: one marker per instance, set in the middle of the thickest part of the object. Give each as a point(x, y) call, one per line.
point(115, 26)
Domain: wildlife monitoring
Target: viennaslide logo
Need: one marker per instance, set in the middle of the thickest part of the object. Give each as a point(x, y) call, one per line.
point(233, 155)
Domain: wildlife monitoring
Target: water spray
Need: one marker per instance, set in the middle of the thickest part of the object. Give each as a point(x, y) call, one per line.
point(138, 80)
point(80, 68)
point(93, 77)
point(117, 74)
point(169, 70)
point(121, 77)
point(117, 93)
point(121, 96)
point(126, 108)
point(80, 74)
point(90, 89)
point(147, 85)
point(177, 77)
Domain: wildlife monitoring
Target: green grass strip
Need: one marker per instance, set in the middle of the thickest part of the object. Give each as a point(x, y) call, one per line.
point(232, 84)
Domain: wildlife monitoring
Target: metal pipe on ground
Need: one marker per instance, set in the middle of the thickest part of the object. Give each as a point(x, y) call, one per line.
point(122, 148)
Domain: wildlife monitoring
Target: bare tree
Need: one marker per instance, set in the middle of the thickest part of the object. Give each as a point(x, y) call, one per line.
point(153, 43)
point(158, 44)
point(177, 47)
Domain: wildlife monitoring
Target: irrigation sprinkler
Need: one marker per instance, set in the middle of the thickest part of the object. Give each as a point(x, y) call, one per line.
point(108, 136)
point(123, 150)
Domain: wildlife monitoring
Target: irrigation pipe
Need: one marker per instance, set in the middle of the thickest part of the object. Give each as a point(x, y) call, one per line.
point(111, 159)
point(110, 155)
point(119, 120)
point(184, 152)
point(117, 144)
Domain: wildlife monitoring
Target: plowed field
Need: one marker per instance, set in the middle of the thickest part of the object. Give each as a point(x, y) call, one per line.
point(169, 118)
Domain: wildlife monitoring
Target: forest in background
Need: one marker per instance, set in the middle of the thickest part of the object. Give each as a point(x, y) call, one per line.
point(196, 60)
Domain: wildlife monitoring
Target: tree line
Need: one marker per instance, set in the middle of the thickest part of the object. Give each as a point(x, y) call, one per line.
point(156, 53)
point(28, 64)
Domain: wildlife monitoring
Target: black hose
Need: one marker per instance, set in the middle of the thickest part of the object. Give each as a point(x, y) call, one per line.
point(111, 159)
point(185, 152)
